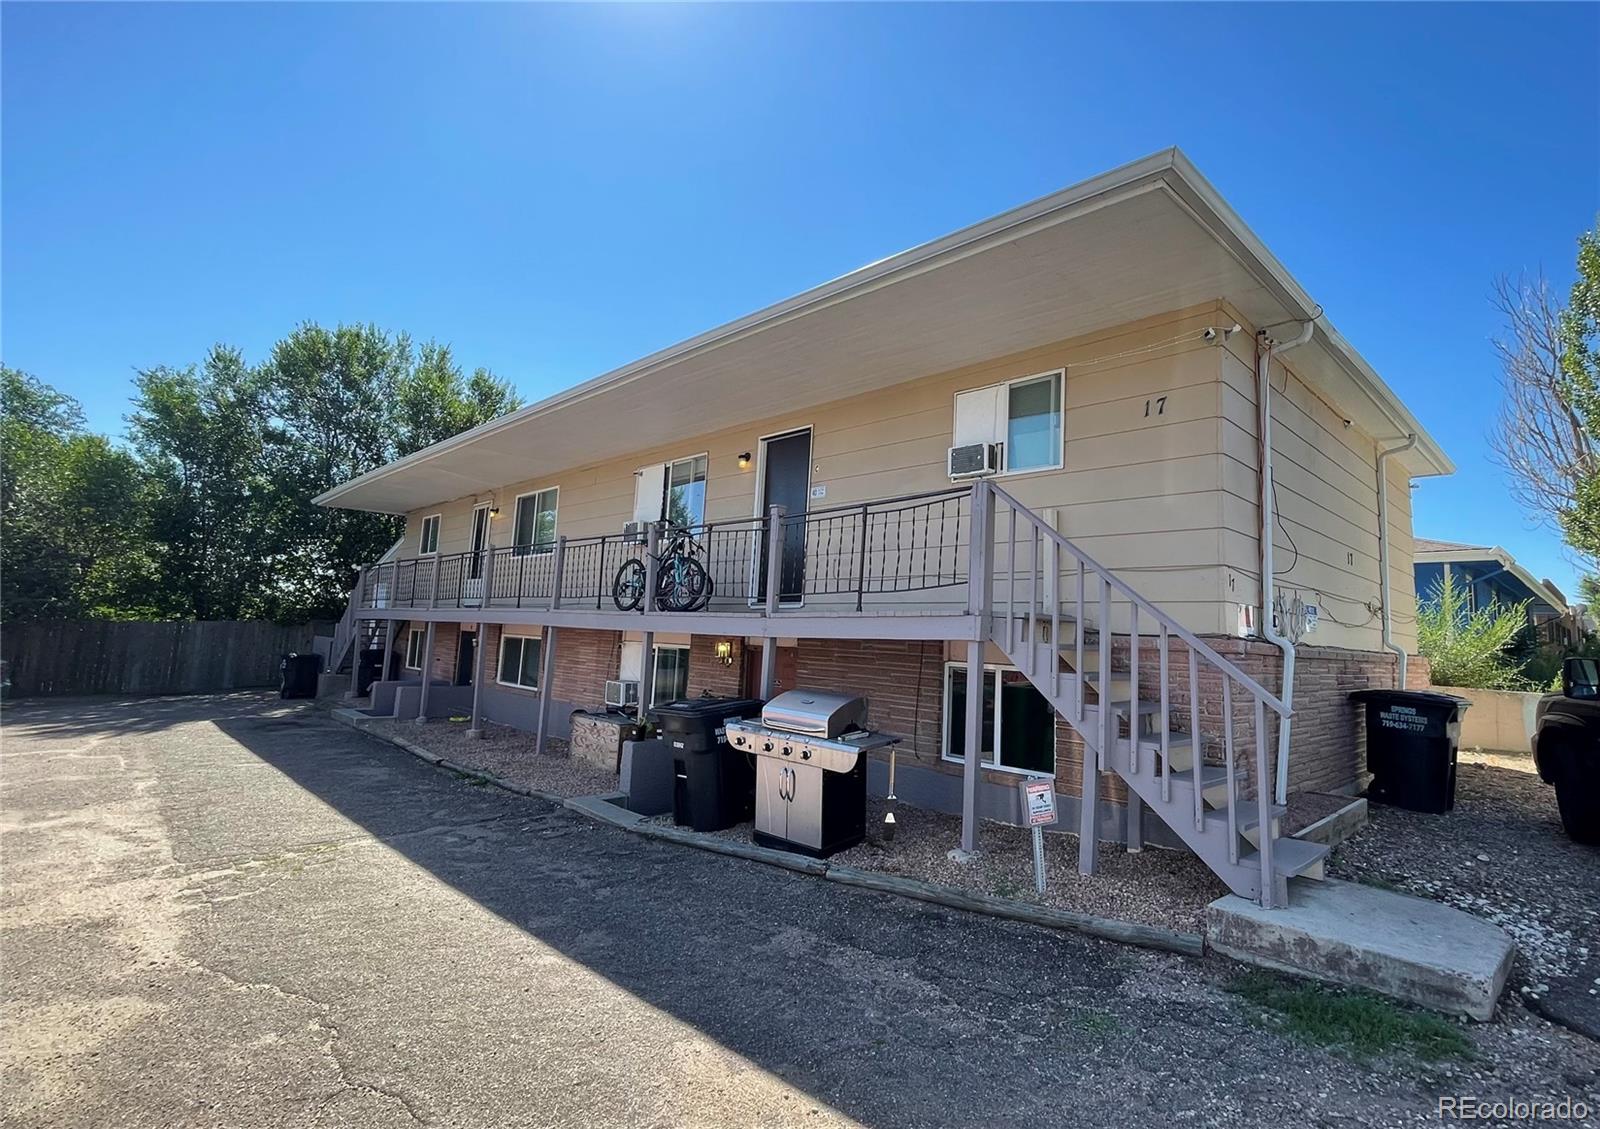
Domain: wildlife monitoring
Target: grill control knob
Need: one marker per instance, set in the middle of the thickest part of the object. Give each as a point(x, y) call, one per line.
point(766, 746)
point(805, 754)
point(787, 751)
point(737, 740)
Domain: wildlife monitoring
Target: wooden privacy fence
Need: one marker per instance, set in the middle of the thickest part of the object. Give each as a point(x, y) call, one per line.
point(107, 657)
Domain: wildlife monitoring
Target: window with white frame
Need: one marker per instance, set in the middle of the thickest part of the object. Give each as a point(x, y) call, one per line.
point(534, 530)
point(686, 491)
point(429, 541)
point(1023, 415)
point(415, 642)
point(1019, 732)
point(519, 661)
point(671, 681)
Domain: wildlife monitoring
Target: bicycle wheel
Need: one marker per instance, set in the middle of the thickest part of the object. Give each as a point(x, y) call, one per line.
point(627, 591)
point(667, 594)
point(693, 585)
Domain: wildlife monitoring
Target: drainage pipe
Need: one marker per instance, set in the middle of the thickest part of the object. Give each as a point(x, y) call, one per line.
point(1383, 556)
point(1266, 349)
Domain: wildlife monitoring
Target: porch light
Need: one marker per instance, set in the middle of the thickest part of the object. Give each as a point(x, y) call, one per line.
point(724, 651)
point(744, 461)
point(494, 511)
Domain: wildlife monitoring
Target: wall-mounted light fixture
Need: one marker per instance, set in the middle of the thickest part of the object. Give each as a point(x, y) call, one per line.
point(494, 511)
point(724, 651)
point(744, 461)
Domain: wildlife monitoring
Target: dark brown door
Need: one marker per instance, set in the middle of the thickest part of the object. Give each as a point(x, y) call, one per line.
point(786, 482)
point(784, 678)
point(466, 654)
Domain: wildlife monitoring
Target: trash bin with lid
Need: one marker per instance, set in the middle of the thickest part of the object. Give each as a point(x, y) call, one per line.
point(1412, 736)
point(370, 669)
point(299, 676)
point(713, 786)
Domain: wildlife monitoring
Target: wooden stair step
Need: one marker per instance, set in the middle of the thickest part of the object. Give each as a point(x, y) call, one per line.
point(1291, 858)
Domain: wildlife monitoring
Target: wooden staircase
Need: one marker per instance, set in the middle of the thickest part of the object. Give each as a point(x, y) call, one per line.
point(1123, 674)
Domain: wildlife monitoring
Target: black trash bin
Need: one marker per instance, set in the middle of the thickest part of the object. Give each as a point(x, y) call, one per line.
point(369, 670)
point(713, 786)
point(299, 676)
point(1412, 736)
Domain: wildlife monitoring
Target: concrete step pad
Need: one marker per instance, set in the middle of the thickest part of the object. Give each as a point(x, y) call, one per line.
point(1409, 948)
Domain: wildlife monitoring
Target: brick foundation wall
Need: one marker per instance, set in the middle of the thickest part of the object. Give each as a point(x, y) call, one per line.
point(585, 660)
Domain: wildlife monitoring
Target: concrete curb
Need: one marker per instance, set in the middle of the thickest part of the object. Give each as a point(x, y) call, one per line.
point(1336, 827)
point(784, 860)
point(1110, 929)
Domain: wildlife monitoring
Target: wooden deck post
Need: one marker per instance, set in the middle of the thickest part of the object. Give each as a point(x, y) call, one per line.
point(774, 588)
point(547, 686)
point(972, 760)
point(427, 674)
point(475, 726)
point(388, 650)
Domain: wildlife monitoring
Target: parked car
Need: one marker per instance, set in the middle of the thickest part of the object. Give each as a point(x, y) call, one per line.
point(1566, 747)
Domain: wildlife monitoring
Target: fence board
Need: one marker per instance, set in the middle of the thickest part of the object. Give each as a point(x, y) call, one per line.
point(106, 657)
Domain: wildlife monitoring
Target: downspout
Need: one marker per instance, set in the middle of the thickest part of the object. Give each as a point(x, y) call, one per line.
point(1383, 556)
point(1266, 349)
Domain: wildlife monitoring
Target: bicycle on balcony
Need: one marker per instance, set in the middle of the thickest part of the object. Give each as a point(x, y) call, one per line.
point(683, 583)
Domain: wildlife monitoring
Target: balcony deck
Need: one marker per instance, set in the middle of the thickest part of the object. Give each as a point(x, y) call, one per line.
point(894, 568)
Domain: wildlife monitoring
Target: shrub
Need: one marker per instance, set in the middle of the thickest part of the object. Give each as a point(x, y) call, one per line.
point(1470, 648)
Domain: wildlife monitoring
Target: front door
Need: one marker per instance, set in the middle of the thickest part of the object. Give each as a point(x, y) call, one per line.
point(786, 482)
point(466, 656)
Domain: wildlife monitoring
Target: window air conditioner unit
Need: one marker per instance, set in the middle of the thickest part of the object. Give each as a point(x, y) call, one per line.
point(974, 460)
point(622, 693)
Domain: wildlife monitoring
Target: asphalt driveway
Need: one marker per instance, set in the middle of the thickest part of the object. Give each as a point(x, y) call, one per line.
point(232, 911)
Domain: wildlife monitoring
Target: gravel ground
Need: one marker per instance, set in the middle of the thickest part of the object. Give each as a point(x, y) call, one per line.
point(1502, 855)
point(1154, 887)
point(506, 753)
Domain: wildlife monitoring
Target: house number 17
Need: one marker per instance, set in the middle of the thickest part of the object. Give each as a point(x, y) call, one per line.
point(1160, 403)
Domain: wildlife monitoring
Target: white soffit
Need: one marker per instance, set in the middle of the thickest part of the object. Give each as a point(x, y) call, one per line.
point(1141, 241)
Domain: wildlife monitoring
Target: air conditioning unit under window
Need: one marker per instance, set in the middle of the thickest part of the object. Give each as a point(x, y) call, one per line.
point(622, 693)
point(974, 460)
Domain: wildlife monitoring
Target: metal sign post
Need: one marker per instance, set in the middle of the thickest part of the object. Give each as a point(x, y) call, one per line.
point(1039, 811)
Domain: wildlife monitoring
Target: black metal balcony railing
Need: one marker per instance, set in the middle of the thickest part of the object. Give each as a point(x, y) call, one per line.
point(909, 544)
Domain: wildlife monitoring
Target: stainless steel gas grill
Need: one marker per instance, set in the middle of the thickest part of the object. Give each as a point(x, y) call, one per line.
point(811, 770)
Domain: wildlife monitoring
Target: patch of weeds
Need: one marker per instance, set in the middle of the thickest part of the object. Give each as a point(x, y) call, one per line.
point(460, 717)
point(1361, 1023)
point(1005, 888)
point(1094, 1022)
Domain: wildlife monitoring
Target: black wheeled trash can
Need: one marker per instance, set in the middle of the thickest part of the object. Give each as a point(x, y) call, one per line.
point(1412, 738)
point(370, 670)
point(299, 676)
point(713, 785)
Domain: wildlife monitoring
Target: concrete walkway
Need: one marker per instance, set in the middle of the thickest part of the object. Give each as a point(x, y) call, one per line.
point(231, 911)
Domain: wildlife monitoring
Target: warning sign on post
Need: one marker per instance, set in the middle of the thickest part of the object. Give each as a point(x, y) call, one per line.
point(1038, 802)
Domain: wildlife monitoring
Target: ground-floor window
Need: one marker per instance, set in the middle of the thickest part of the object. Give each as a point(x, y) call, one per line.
point(415, 642)
point(519, 661)
point(671, 675)
point(1019, 730)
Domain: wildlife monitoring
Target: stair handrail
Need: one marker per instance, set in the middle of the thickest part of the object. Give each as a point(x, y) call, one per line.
point(1259, 692)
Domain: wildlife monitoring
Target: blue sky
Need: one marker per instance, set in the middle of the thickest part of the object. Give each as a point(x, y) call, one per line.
point(557, 190)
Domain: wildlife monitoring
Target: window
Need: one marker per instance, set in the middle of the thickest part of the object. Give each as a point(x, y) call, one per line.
point(1019, 735)
point(415, 642)
point(480, 540)
point(671, 675)
point(430, 535)
point(535, 527)
point(519, 661)
point(1023, 415)
point(1033, 424)
point(686, 491)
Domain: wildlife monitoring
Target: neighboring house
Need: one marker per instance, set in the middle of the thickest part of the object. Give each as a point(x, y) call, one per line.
point(1488, 574)
point(1078, 381)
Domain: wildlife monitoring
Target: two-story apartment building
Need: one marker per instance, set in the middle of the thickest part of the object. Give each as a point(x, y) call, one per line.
point(962, 481)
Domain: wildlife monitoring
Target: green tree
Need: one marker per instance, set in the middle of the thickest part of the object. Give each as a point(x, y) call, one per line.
point(72, 508)
point(1470, 648)
point(1579, 335)
point(433, 401)
point(331, 394)
point(201, 435)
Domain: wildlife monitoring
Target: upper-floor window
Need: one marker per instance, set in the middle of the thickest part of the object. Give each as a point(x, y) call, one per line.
point(675, 491)
point(534, 530)
point(686, 491)
point(430, 534)
point(1023, 415)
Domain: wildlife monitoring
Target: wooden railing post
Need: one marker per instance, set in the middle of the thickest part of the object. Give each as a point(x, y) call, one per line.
point(558, 562)
point(774, 575)
point(980, 563)
point(652, 543)
point(1264, 807)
